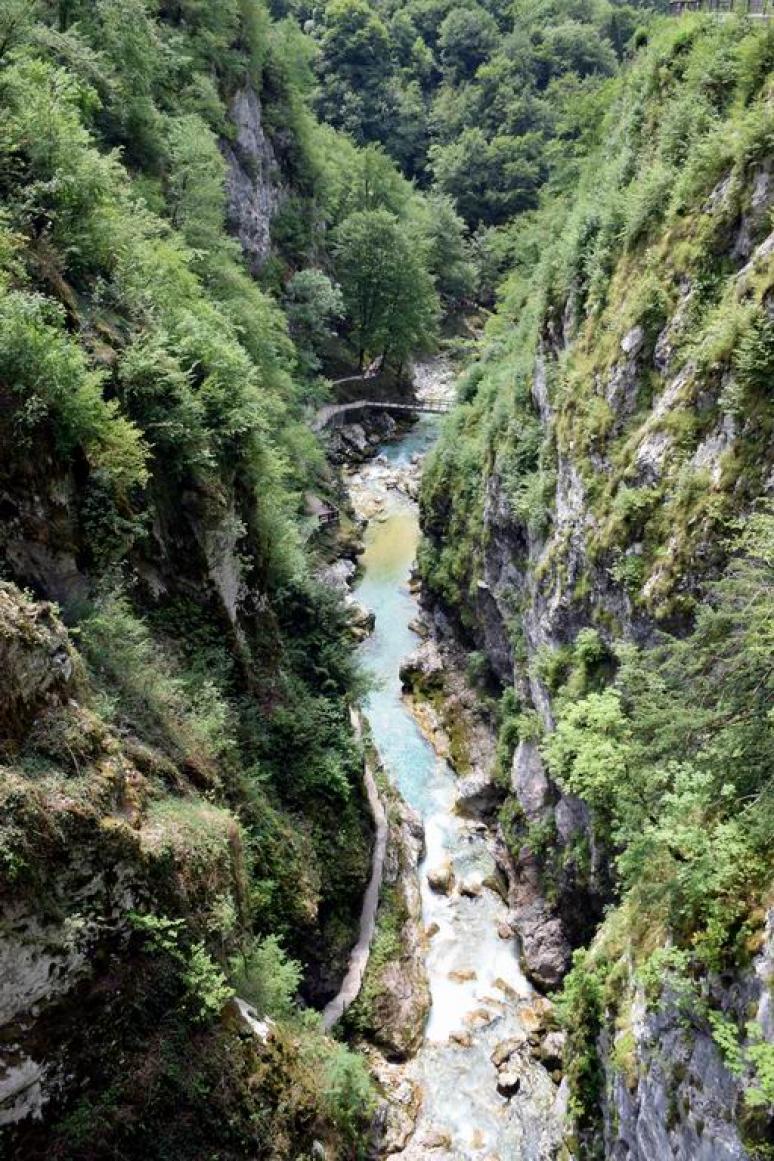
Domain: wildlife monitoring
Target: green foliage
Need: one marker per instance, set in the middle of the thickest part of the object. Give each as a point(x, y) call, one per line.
point(580, 1009)
point(178, 708)
point(155, 392)
point(195, 187)
point(675, 760)
point(313, 304)
point(387, 290)
point(263, 975)
point(205, 985)
point(355, 60)
point(759, 1053)
point(52, 384)
point(482, 97)
point(588, 266)
point(588, 752)
point(448, 258)
point(466, 38)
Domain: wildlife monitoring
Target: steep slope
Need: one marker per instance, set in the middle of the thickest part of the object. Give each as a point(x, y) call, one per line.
point(182, 812)
point(612, 453)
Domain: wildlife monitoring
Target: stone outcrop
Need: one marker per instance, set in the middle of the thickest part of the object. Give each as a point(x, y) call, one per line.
point(358, 441)
point(40, 668)
point(396, 995)
point(254, 187)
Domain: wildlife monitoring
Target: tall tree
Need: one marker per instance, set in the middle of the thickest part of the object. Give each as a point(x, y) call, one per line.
point(388, 291)
point(356, 64)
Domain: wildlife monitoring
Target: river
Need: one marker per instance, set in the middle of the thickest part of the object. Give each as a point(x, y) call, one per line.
point(479, 994)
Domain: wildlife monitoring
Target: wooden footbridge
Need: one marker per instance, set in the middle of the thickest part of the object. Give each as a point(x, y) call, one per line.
point(327, 415)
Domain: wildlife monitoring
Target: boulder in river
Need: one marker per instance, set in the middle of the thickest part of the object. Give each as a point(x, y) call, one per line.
point(361, 620)
point(461, 1039)
point(480, 1018)
point(508, 1048)
point(477, 796)
point(396, 1118)
point(436, 1139)
point(551, 1050)
point(471, 888)
point(508, 1082)
point(462, 975)
point(423, 669)
point(441, 878)
point(537, 1016)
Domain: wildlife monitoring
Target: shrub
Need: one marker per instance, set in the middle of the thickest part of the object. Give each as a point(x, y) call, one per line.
point(263, 975)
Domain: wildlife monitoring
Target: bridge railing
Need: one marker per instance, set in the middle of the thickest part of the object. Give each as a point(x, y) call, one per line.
point(335, 410)
point(761, 9)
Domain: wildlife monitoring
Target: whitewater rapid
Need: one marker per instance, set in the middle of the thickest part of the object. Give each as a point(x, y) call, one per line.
point(475, 979)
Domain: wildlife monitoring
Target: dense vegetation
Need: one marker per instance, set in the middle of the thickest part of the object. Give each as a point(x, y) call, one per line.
point(475, 97)
point(187, 809)
point(674, 757)
point(613, 256)
point(631, 329)
point(156, 453)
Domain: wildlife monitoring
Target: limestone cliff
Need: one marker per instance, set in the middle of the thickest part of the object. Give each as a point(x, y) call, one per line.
point(254, 186)
point(608, 444)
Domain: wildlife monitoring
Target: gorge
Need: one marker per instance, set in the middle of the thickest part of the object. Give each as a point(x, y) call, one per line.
point(386, 580)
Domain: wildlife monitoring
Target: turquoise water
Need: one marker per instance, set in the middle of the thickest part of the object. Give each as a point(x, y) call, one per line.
point(390, 551)
point(470, 968)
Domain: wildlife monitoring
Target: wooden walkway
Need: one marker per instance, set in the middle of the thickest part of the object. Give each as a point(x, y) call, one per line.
point(326, 414)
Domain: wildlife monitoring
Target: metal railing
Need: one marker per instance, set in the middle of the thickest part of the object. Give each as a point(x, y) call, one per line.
point(332, 410)
point(758, 9)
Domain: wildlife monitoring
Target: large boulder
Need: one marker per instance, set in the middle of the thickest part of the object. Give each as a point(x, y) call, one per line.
point(423, 669)
point(477, 796)
point(441, 878)
point(546, 953)
point(400, 1007)
point(361, 620)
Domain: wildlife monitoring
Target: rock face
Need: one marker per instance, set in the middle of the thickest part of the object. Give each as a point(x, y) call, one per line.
point(254, 188)
point(668, 1092)
point(39, 666)
point(536, 579)
point(396, 997)
point(678, 1106)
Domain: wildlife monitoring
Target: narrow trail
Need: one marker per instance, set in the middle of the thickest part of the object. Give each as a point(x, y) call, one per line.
point(358, 960)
